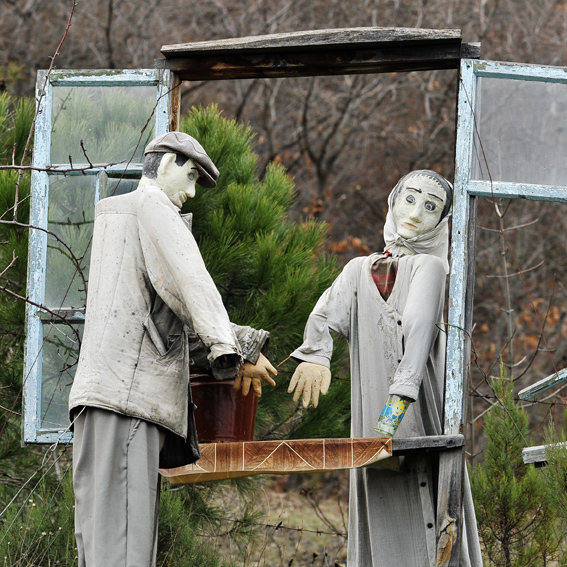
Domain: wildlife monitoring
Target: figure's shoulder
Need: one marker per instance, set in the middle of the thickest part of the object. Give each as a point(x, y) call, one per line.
point(151, 192)
point(357, 268)
point(152, 198)
point(363, 259)
point(425, 263)
point(360, 262)
point(116, 204)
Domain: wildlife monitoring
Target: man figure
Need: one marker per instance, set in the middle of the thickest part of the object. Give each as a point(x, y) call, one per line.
point(149, 297)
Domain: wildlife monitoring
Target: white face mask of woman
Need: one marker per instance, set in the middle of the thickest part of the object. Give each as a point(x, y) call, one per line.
point(418, 206)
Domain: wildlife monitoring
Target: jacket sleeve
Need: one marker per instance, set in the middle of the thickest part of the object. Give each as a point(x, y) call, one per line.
point(423, 313)
point(252, 342)
point(330, 314)
point(179, 276)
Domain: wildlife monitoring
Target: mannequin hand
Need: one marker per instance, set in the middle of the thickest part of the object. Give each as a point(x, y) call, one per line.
point(253, 374)
point(310, 379)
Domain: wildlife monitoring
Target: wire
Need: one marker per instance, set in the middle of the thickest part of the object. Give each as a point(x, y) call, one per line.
point(275, 527)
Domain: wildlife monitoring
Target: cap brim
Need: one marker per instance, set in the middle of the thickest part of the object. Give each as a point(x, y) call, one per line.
point(204, 179)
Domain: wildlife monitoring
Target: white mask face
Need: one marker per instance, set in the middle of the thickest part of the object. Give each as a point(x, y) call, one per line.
point(418, 206)
point(178, 183)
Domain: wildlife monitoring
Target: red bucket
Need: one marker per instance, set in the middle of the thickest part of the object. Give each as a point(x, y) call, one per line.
point(223, 414)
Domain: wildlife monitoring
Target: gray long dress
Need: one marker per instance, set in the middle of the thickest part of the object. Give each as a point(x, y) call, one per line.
point(396, 347)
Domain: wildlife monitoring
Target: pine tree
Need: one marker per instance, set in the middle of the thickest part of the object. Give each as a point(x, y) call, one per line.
point(516, 524)
point(555, 473)
point(270, 270)
point(16, 117)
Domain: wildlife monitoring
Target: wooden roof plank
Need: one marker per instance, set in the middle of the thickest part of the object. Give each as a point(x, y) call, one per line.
point(304, 64)
point(318, 53)
point(313, 40)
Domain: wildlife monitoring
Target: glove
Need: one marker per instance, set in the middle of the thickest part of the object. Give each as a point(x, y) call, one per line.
point(253, 374)
point(310, 379)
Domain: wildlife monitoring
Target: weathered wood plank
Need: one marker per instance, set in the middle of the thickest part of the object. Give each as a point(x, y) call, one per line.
point(538, 455)
point(322, 40)
point(534, 455)
point(274, 66)
point(233, 460)
point(449, 520)
point(420, 445)
point(461, 293)
point(552, 381)
point(316, 53)
point(470, 50)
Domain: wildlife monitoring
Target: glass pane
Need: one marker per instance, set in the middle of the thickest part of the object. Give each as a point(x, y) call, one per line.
point(523, 132)
point(60, 356)
point(70, 218)
point(112, 122)
point(119, 186)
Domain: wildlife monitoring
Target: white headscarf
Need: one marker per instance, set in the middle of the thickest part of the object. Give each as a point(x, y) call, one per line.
point(434, 242)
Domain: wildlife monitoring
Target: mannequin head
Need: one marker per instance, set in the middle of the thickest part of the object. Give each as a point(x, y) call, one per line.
point(176, 176)
point(419, 201)
point(175, 162)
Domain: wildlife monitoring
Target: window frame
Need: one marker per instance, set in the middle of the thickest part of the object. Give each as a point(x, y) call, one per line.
point(36, 315)
point(466, 190)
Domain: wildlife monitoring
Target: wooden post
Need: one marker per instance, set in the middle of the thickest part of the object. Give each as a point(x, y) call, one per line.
point(452, 463)
point(175, 103)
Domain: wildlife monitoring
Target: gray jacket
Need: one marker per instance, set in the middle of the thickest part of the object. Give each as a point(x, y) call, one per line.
point(149, 290)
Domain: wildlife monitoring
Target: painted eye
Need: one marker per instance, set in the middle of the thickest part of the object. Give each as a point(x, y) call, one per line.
point(191, 176)
point(410, 199)
point(430, 206)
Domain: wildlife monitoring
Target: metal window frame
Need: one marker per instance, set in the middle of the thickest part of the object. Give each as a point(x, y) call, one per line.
point(464, 214)
point(163, 80)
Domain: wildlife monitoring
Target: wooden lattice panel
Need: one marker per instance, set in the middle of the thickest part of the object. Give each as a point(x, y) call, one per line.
point(232, 460)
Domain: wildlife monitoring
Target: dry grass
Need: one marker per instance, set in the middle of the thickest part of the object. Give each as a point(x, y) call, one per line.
point(304, 520)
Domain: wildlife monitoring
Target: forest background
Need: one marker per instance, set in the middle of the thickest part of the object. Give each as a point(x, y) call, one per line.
point(346, 140)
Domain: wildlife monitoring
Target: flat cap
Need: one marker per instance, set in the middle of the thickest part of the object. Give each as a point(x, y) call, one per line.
point(181, 143)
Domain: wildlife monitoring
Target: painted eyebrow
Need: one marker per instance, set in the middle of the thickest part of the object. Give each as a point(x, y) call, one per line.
point(436, 197)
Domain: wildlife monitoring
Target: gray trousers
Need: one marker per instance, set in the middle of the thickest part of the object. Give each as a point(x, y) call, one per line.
point(116, 484)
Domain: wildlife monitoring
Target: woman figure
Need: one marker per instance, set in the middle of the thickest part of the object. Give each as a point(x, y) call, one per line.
point(389, 306)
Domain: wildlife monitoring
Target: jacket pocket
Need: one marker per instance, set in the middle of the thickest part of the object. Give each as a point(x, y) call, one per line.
point(174, 341)
point(154, 335)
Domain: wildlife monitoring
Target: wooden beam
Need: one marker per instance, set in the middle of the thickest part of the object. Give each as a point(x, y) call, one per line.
point(313, 40)
point(428, 444)
point(538, 455)
point(234, 460)
point(534, 455)
point(316, 53)
point(449, 508)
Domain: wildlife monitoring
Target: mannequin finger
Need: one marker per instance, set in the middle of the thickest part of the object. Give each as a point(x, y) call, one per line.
point(293, 382)
point(246, 385)
point(268, 379)
point(299, 389)
point(270, 368)
point(257, 386)
point(315, 394)
point(325, 382)
point(238, 381)
point(307, 394)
